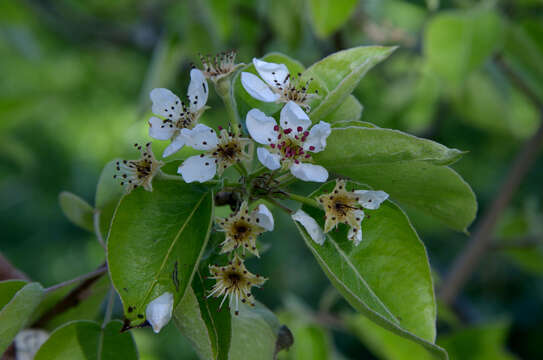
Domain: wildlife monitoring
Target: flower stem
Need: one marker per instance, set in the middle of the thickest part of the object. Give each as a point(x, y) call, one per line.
point(224, 89)
point(304, 200)
point(279, 205)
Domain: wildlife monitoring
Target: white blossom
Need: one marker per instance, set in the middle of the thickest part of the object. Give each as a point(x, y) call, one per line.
point(135, 173)
point(243, 227)
point(221, 152)
point(345, 207)
point(175, 114)
point(278, 84)
point(289, 144)
point(219, 66)
point(159, 311)
point(234, 281)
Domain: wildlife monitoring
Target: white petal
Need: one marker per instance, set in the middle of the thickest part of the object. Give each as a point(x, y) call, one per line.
point(198, 90)
point(265, 217)
point(310, 225)
point(257, 88)
point(28, 342)
point(274, 74)
point(356, 237)
point(177, 143)
point(309, 172)
point(293, 117)
point(159, 311)
point(165, 103)
point(261, 127)
point(202, 137)
point(198, 168)
point(269, 160)
point(160, 130)
point(316, 140)
point(371, 199)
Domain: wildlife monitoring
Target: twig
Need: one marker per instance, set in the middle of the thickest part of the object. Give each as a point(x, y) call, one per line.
point(8, 271)
point(481, 242)
point(101, 270)
point(73, 298)
point(279, 205)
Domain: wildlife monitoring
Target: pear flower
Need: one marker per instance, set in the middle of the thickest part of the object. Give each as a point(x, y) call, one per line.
point(135, 173)
point(278, 85)
point(290, 144)
point(175, 114)
point(342, 206)
point(159, 311)
point(219, 66)
point(242, 228)
point(234, 281)
point(221, 152)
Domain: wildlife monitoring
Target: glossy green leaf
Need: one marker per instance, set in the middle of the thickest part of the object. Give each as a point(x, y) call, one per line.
point(409, 175)
point(329, 15)
point(108, 194)
point(363, 145)
point(403, 301)
point(199, 319)
point(86, 340)
point(16, 311)
point(155, 242)
point(457, 42)
point(337, 75)
point(350, 110)
point(254, 333)
point(77, 210)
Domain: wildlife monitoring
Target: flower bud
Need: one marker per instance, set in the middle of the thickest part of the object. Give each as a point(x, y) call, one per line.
point(159, 311)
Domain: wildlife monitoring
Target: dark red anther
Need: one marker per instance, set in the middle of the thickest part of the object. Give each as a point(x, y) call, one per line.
point(299, 128)
point(312, 148)
point(276, 128)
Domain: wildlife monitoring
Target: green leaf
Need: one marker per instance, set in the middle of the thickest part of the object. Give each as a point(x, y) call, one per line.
point(77, 210)
point(86, 340)
point(409, 175)
point(350, 110)
point(481, 342)
point(245, 101)
point(363, 145)
point(156, 241)
point(390, 246)
point(329, 15)
point(15, 312)
point(337, 75)
point(199, 319)
point(254, 333)
point(108, 194)
point(457, 42)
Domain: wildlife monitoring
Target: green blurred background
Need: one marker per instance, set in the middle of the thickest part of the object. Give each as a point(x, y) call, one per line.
point(74, 82)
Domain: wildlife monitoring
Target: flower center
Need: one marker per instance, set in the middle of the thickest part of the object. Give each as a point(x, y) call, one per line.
point(234, 278)
point(290, 144)
point(295, 90)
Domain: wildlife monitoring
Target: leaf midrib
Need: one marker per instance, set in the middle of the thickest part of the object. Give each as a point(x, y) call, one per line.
point(170, 249)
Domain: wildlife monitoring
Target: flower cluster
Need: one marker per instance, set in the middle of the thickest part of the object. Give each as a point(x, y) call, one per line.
point(284, 145)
